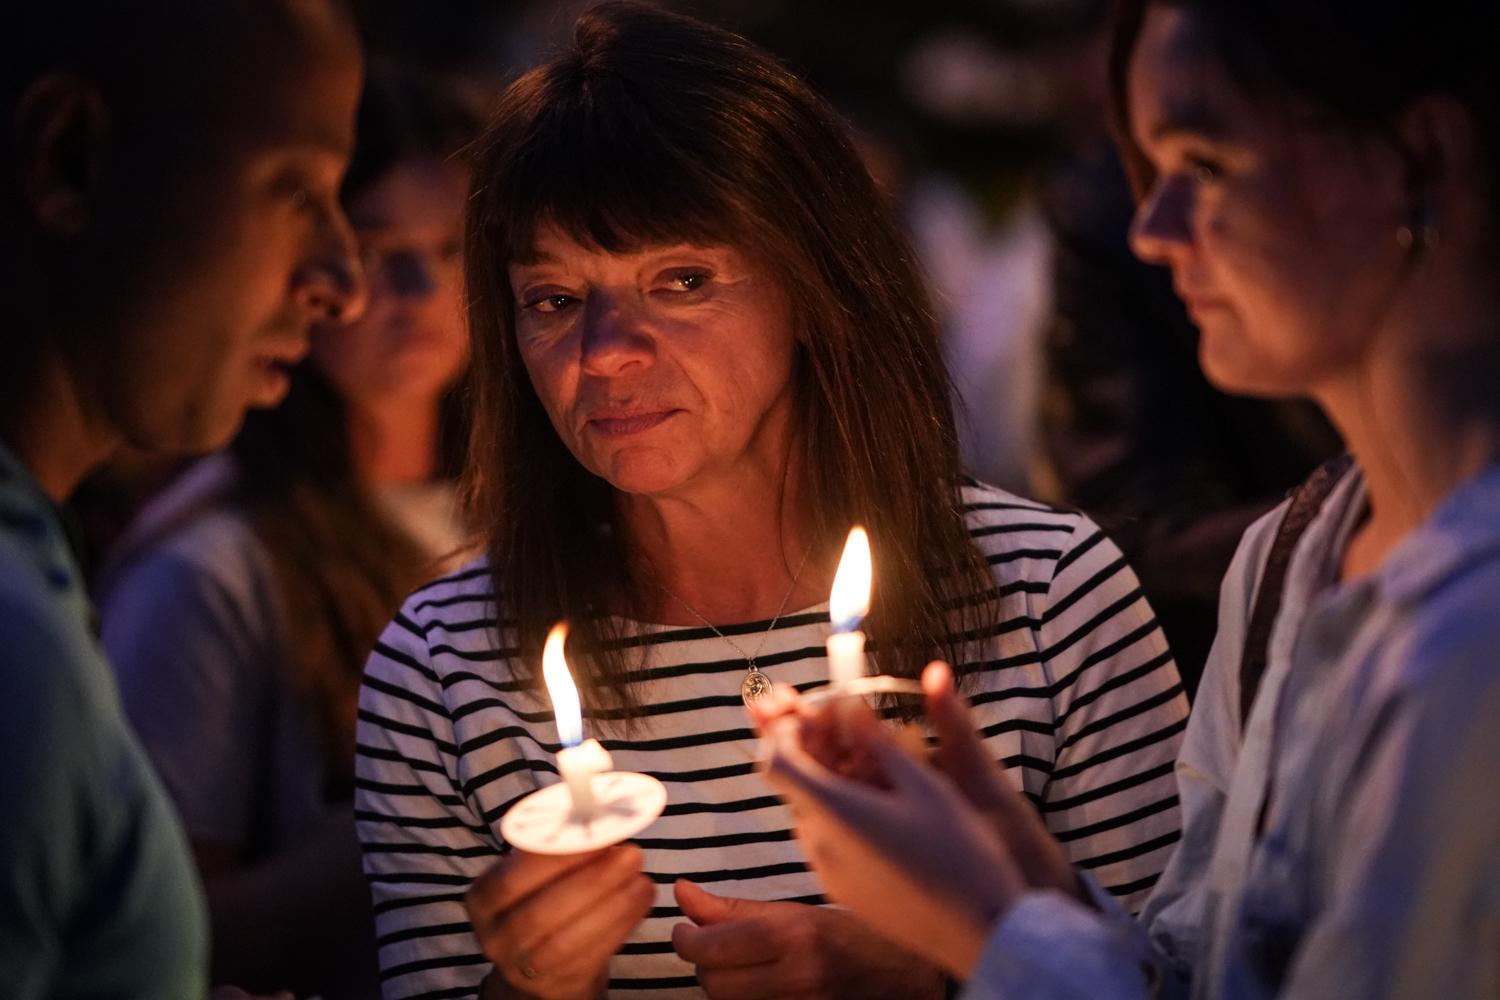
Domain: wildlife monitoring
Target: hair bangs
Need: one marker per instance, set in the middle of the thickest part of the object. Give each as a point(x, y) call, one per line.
point(598, 172)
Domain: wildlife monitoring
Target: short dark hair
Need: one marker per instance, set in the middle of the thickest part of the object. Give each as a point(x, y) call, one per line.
point(167, 70)
point(653, 128)
point(1353, 63)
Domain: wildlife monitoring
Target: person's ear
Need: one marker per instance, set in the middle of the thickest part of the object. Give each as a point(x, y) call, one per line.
point(1440, 145)
point(61, 129)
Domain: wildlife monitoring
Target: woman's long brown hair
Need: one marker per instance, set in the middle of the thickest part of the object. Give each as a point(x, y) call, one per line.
point(655, 128)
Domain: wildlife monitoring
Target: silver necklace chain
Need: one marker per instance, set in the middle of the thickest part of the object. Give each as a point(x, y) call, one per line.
point(756, 684)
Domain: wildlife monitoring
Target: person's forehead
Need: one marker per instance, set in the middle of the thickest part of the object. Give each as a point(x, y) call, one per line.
point(1177, 81)
point(550, 245)
point(304, 92)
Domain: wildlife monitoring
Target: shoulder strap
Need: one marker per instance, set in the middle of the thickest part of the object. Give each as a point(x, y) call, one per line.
point(1307, 500)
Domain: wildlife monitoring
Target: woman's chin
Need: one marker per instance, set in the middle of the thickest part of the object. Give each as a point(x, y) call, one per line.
point(644, 471)
point(1239, 373)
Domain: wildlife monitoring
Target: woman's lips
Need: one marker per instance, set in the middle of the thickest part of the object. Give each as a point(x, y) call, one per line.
point(624, 426)
point(1200, 306)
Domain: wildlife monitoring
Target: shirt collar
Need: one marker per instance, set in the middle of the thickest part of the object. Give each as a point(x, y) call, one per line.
point(1464, 530)
point(28, 518)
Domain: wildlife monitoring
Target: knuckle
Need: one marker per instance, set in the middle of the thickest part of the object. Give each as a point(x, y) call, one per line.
point(800, 936)
point(820, 972)
point(711, 981)
point(643, 893)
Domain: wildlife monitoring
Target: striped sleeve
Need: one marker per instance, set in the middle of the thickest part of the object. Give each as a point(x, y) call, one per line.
point(1119, 713)
point(422, 843)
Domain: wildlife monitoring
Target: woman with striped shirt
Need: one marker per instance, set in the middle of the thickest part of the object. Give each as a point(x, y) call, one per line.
point(701, 352)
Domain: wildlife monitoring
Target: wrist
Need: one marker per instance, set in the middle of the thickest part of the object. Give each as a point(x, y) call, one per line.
point(495, 986)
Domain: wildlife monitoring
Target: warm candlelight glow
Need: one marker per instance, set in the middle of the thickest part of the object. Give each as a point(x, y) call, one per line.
point(850, 600)
point(560, 688)
point(594, 805)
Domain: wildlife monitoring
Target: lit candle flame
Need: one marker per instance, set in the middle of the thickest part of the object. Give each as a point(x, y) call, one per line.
point(560, 688)
point(850, 600)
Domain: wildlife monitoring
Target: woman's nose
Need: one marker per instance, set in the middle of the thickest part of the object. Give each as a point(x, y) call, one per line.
point(615, 337)
point(1163, 225)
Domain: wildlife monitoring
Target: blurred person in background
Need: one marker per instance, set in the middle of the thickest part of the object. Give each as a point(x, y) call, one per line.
point(239, 609)
point(169, 235)
point(701, 352)
point(1326, 200)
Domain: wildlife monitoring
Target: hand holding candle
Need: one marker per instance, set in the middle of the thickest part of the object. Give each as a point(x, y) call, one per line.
point(593, 806)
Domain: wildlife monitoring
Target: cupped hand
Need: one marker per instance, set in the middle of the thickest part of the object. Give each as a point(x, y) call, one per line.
point(909, 854)
point(746, 949)
point(842, 741)
point(962, 756)
point(551, 923)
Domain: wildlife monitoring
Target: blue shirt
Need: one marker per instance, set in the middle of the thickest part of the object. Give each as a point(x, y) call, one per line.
point(98, 894)
point(1373, 747)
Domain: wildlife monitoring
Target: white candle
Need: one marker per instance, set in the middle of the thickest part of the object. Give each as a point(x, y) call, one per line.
point(846, 658)
point(578, 765)
point(579, 759)
point(848, 604)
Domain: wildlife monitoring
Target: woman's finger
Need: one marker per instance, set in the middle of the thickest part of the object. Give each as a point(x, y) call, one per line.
point(526, 924)
point(516, 876)
point(961, 754)
point(590, 937)
point(816, 793)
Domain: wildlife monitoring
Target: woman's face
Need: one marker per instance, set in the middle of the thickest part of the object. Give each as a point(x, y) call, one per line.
point(664, 371)
point(411, 342)
point(1281, 236)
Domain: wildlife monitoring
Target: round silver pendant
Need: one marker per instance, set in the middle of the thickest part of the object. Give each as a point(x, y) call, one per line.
point(755, 686)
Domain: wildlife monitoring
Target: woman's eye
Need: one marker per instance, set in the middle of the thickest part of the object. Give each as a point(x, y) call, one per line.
point(1204, 170)
point(551, 303)
point(687, 281)
point(294, 189)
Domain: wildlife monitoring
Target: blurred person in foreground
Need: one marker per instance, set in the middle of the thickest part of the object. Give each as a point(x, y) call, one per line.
point(701, 352)
point(1132, 431)
point(1326, 200)
point(243, 603)
point(169, 237)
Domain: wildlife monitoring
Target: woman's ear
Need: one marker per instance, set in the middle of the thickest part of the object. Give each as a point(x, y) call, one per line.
point(1440, 144)
point(61, 129)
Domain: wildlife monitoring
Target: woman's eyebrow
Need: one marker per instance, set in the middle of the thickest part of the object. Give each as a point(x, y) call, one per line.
point(1191, 118)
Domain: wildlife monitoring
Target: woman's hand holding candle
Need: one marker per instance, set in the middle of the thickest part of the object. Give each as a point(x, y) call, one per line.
point(930, 857)
point(551, 923)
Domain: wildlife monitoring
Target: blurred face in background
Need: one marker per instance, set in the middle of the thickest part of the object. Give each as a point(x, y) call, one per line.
point(411, 342)
point(1279, 232)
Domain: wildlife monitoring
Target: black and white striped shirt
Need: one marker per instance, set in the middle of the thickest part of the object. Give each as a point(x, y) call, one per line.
point(1076, 692)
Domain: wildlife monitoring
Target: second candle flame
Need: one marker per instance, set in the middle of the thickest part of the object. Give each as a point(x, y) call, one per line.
point(560, 688)
point(850, 600)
